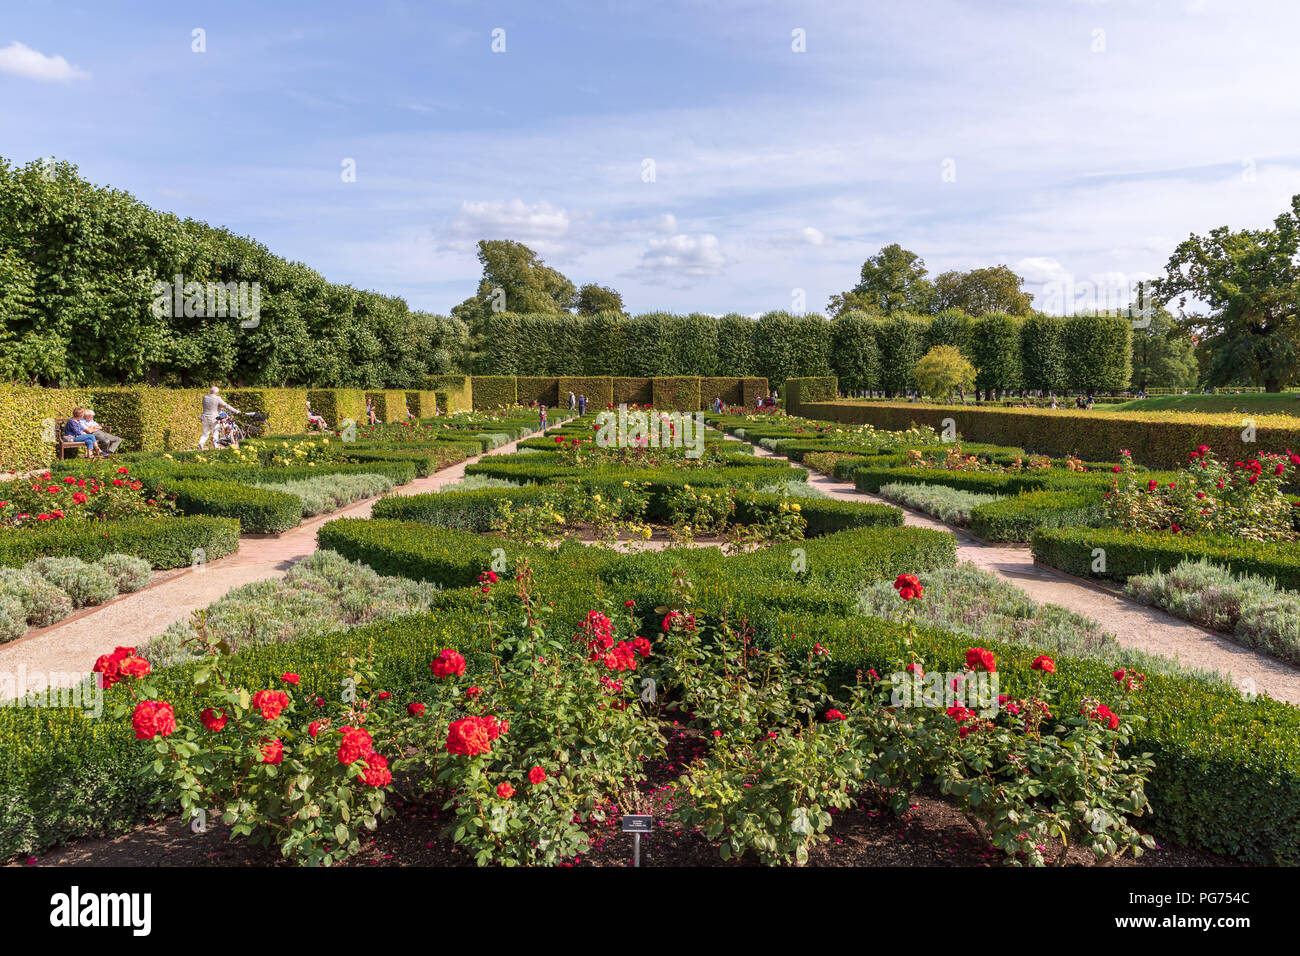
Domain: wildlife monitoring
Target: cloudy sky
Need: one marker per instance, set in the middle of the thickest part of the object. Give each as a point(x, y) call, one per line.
point(715, 157)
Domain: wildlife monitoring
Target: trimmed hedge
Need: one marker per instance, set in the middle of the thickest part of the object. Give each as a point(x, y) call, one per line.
point(823, 515)
point(799, 391)
point(1016, 518)
point(1156, 439)
point(258, 510)
point(163, 542)
point(599, 389)
point(633, 391)
point(493, 391)
point(1138, 552)
point(676, 394)
point(730, 390)
point(460, 393)
point(538, 388)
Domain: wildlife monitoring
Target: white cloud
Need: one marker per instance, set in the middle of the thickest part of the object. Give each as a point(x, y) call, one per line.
point(18, 59)
point(683, 257)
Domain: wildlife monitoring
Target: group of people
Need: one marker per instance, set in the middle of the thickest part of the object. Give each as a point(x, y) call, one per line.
point(83, 429)
point(578, 403)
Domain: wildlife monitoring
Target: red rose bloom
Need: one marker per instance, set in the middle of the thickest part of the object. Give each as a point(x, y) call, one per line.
point(213, 721)
point(110, 664)
point(536, 776)
point(356, 744)
point(908, 586)
point(273, 752)
point(376, 773)
point(505, 791)
point(1044, 663)
point(290, 678)
point(271, 703)
point(133, 667)
point(833, 714)
point(448, 664)
point(153, 718)
point(978, 659)
point(469, 736)
point(415, 709)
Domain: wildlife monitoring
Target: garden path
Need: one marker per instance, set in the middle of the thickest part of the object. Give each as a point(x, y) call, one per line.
point(1134, 625)
point(61, 655)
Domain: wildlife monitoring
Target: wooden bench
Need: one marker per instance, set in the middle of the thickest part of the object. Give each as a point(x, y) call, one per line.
point(64, 444)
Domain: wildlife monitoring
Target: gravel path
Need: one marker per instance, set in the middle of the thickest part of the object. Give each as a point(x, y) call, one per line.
point(1134, 625)
point(61, 655)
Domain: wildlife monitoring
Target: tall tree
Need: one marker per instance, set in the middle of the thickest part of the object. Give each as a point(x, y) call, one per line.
point(893, 280)
point(1250, 282)
point(981, 291)
point(594, 299)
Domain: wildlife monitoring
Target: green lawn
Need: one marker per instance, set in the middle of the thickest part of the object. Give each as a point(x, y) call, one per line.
point(1277, 403)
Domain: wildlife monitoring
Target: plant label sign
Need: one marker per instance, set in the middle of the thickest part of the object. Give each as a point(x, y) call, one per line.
point(637, 823)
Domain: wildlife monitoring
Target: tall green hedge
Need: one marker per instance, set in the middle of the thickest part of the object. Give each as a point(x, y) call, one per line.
point(493, 391)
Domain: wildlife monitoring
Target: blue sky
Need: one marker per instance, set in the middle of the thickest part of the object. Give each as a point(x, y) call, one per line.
point(1082, 138)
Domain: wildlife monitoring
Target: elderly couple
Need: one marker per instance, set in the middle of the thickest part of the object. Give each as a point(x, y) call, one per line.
point(83, 428)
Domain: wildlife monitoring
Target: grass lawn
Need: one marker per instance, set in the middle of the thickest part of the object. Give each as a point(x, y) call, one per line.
point(1276, 403)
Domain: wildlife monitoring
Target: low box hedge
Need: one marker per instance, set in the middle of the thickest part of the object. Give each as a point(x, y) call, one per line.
point(163, 542)
point(259, 510)
point(823, 515)
point(1127, 553)
point(1015, 518)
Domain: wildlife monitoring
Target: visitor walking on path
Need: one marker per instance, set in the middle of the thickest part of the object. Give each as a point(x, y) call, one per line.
point(582, 404)
point(573, 402)
point(541, 415)
point(212, 403)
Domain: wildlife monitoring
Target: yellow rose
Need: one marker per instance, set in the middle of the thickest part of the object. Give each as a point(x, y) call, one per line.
point(795, 507)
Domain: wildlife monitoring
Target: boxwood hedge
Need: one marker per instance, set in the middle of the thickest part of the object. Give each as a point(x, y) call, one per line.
point(163, 542)
point(258, 510)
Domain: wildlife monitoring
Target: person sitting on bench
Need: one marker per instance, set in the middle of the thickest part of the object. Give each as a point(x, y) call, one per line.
point(107, 443)
point(316, 421)
point(75, 430)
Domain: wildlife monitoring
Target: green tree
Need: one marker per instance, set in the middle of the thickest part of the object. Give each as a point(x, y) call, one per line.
point(594, 299)
point(981, 291)
point(1043, 363)
point(944, 370)
point(893, 280)
point(1250, 282)
point(995, 344)
point(1163, 354)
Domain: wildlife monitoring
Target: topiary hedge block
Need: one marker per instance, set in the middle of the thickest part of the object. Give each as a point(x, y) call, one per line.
point(633, 391)
point(681, 393)
point(494, 391)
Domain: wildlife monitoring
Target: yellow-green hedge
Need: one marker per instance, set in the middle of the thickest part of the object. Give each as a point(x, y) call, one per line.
point(599, 389)
point(1156, 439)
point(459, 389)
point(27, 427)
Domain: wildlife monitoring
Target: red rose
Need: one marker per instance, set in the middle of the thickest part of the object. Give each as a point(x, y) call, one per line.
point(536, 776)
point(505, 791)
point(212, 720)
point(273, 752)
point(415, 709)
point(449, 664)
point(978, 659)
point(833, 714)
point(153, 718)
point(123, 471)
point(355, 745)
point(473, 691)
point(1044, 663)
point(376, 773)
point(79, 497)
point(271, 703)
point(134, 667)
point(908, 586)
point(290, 678)
point(468, 736)
point(641, 646)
